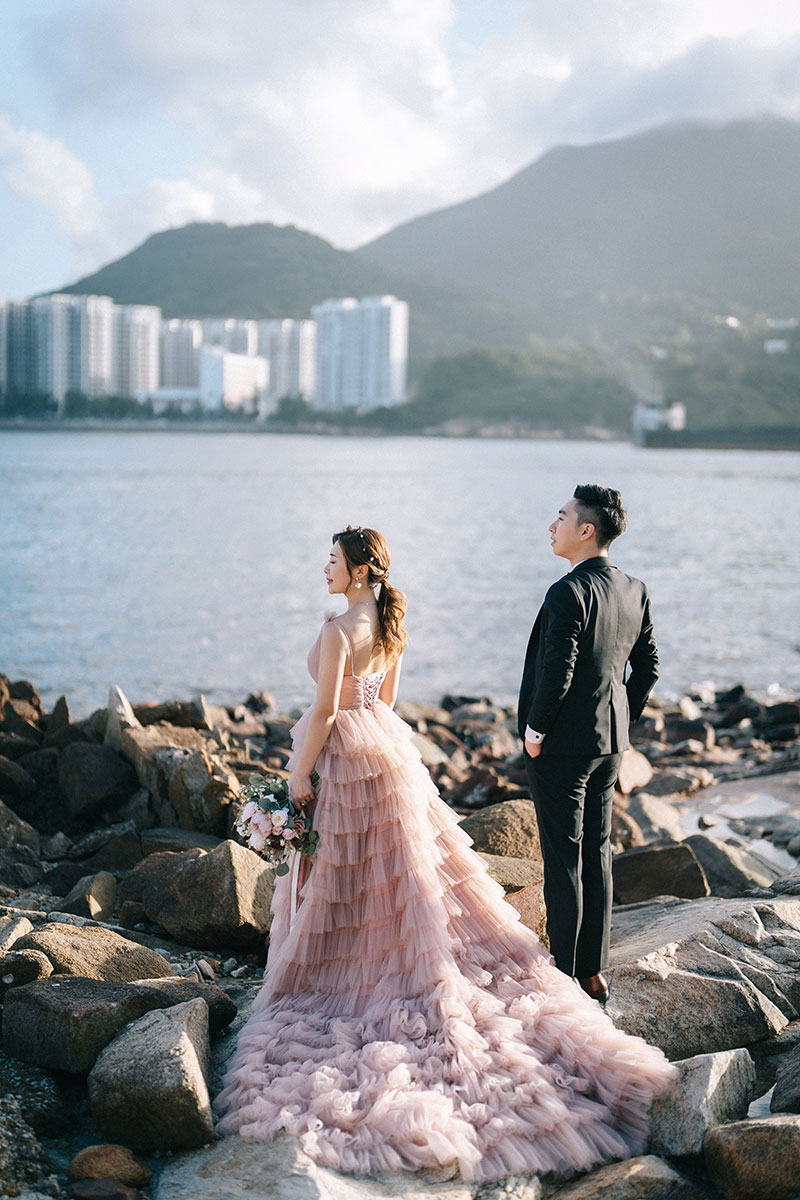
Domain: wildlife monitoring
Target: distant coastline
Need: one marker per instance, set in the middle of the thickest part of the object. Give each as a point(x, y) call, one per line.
point(451, 429)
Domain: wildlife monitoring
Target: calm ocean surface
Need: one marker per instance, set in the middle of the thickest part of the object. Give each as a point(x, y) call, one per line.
point(172, 563)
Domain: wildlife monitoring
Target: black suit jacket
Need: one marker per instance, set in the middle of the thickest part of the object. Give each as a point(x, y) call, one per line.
point(594, 621)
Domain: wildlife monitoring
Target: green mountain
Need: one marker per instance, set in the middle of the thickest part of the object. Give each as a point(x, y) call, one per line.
point(690, 210)
point(205, 270)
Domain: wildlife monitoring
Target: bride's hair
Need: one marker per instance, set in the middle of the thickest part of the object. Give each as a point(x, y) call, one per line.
point(366, 547)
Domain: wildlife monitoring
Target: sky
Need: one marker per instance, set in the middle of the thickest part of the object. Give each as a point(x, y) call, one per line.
point(120, 118)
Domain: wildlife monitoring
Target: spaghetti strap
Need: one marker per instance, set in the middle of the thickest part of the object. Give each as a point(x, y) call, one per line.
point(349, 646)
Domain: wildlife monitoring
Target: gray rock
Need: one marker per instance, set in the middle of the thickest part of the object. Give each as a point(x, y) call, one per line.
point(56, 847)
point(120, 715)
point(12, 928)
point(15, 780)
point(786, 1097)
point(513, 873)
point(768, 1056)
point(634, 771)
point(155, 841)
point(121, 852)
point(92, 896)
point(679, 782)
point(64, 1023)
point(18, 967)
point(701, 976)
point(645, 1178)
point(508, 828)
point(16, 832)
point(233, 1169)
point(219, 898)
point(19, 867)
point(757, 1159)
point(148, 1088)
point(432, 754)
point(731, 870)
point(94, 953)
point(62, 878)
point(655, 817)
point(710, 1090)
point(94, 779)
point(202, 792)
point(666, 869)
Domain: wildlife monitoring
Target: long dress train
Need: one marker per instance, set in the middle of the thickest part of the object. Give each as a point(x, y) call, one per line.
point(407, 1018)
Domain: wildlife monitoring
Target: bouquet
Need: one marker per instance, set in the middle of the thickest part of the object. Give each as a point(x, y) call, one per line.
point(272, 825)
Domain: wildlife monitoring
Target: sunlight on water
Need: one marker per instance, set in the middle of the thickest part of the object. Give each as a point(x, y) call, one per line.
point(172, 563)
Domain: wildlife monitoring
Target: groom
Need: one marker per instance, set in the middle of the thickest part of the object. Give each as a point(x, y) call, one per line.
point(575, 706)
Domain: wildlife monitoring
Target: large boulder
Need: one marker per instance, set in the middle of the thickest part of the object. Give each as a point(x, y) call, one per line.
point(202, 791)
point(91, 896)
point(221, 897)
point(15, 780)
point(700, 976)
point(731, 870)
point(94, 953)
point(665, 869)
point(645, 1178)
point(529, 903)
point(786, 1096)
point(508, 828)
point(15, 832)
point(657, 818)
point(63, 1024)
point(710, 1090)
point(94, 779)
point(757, 1159)
point(513, 873)
point(11, 929)
point(148, 1088)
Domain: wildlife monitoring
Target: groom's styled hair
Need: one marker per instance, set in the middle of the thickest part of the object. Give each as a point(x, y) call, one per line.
point(601, 507)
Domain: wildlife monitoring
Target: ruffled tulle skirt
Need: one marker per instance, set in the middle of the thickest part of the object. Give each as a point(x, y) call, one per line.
point(408, 1019)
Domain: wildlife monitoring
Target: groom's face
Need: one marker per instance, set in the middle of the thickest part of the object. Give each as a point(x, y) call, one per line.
point(565, 532)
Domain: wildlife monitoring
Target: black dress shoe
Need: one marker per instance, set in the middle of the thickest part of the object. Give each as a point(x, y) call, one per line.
point(595, 986)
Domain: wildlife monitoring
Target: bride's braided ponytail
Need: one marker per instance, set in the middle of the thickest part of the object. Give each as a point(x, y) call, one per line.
point(366, 547)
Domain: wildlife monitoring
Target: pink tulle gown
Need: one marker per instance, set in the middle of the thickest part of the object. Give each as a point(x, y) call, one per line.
point(408, 1019)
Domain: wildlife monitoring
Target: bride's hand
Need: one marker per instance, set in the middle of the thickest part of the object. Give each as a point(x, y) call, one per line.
point(300, 789)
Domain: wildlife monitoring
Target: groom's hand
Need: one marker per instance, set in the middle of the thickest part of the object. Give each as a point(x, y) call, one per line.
point(533, 749)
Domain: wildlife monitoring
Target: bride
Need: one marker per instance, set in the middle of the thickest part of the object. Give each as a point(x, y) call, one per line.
point(407, 1018)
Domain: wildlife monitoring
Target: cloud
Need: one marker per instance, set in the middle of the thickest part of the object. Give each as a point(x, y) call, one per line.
point(43, 168)
point(348, 116)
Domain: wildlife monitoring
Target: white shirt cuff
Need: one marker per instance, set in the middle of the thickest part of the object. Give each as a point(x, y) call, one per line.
point(532, 736)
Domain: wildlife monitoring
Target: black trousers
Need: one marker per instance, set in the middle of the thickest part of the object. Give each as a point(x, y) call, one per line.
point(573, 798)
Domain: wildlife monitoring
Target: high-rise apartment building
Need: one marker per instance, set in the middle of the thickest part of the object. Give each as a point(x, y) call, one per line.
point(180, 353)
point(4, 307)
point(290, 348)
point(231, 333)
point(52, 317)
point(91, 345)
point(362, 352)
point(137, 332)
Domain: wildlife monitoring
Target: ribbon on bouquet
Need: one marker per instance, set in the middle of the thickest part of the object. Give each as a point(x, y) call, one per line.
point(294, 874)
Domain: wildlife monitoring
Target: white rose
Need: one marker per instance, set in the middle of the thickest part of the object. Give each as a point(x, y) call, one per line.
point(279, 817)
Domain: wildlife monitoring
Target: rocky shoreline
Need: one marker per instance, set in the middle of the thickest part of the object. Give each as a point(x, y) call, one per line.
point(133, 927)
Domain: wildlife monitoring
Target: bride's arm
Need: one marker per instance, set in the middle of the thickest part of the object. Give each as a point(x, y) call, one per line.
point(332, 657)
point(391, 684)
